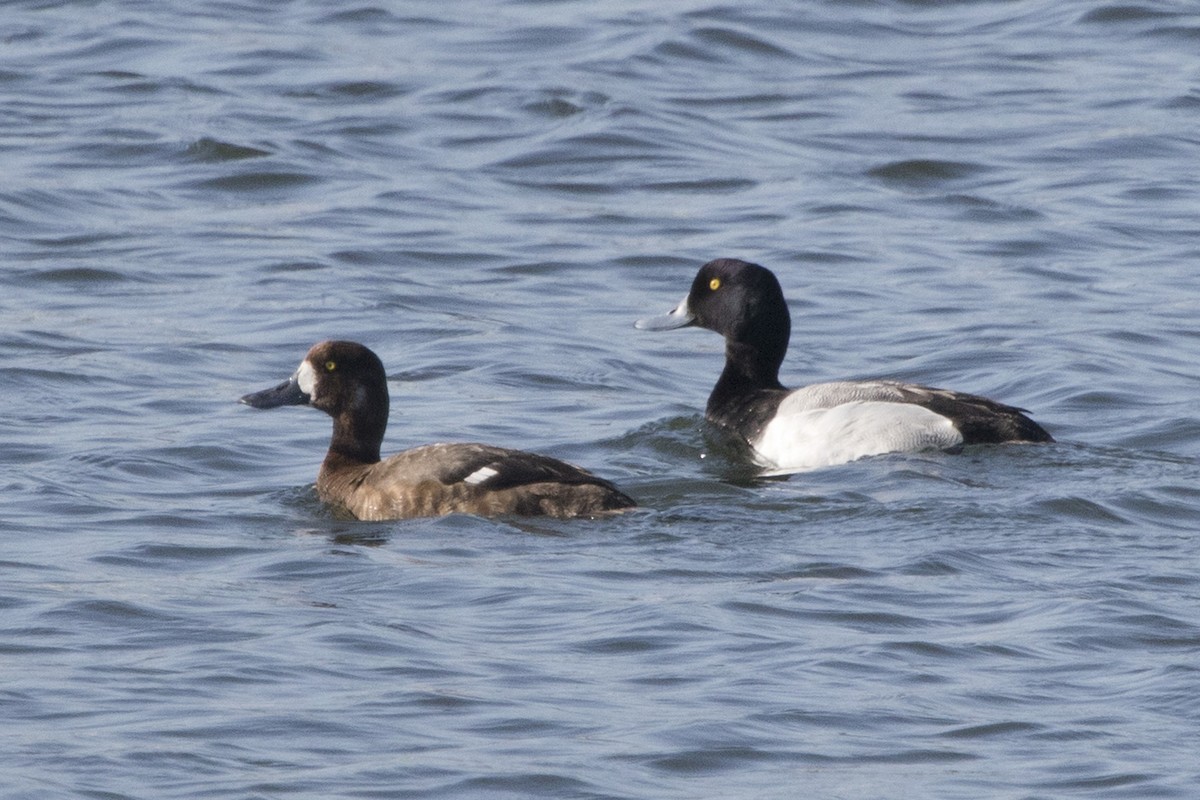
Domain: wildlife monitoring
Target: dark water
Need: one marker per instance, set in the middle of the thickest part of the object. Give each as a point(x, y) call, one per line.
point(999, 197)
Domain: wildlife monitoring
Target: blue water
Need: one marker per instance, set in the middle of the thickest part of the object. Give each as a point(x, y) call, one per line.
point(997, 197)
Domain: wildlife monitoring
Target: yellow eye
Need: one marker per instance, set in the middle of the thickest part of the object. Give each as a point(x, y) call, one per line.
point(330, 366)
point(714, 284)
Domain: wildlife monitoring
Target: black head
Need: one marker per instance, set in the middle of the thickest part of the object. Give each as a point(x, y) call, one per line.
point(739, 300)
point(348, 382)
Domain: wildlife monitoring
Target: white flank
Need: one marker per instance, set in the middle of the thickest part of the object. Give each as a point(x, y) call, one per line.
point(803, 438)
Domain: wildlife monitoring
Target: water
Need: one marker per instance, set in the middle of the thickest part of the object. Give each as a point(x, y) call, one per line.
point(997, 197)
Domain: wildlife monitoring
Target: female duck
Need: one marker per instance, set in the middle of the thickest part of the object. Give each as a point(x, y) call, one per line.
point(347, 381)
point(825, 423)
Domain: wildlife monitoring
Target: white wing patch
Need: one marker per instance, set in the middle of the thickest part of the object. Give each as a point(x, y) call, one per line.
point(809, 432)
point(480, 475)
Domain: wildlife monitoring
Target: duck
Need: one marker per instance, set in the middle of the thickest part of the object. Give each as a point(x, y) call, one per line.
point(822, 424)
point(347, 381)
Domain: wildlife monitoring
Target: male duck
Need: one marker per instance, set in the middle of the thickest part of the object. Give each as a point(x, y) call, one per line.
point(825, 423)
point(347, 381)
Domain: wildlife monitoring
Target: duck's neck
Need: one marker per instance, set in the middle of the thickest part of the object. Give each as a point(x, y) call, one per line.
point(750, 372)
point(356, 439)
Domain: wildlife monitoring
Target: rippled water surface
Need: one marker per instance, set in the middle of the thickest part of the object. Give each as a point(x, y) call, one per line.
point(999, 197)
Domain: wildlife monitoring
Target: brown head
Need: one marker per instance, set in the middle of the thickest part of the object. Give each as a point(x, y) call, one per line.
point(346, 381)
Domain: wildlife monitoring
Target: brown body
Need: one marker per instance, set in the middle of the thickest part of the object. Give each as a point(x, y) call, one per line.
point(347, 381)
point(429, 481)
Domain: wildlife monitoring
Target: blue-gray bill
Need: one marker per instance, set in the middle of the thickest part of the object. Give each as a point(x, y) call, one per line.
point(287, 393)
point(679, 317)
